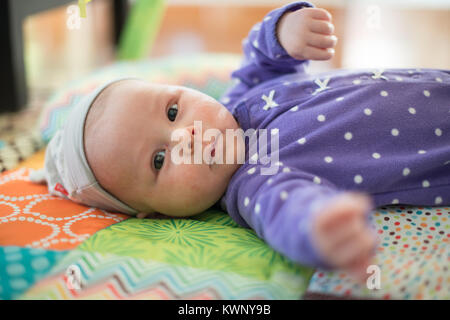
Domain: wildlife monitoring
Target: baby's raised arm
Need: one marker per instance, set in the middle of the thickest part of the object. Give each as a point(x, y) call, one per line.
point(282, 43)
point(307, 34)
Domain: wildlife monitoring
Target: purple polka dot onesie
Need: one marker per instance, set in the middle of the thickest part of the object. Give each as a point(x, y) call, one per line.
point(382, 132)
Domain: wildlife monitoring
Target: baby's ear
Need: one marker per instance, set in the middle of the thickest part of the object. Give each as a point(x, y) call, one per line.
point(142, 215)
point(153, 215)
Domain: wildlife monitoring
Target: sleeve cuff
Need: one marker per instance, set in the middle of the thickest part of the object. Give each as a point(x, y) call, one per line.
point(278, 52)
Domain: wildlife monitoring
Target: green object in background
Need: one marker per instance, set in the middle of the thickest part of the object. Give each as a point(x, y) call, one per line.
point(140, 29)
point(82, 6)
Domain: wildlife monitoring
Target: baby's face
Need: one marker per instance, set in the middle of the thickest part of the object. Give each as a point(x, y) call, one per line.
point(128, 144)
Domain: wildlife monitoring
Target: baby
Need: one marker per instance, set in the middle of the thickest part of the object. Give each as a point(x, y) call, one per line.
point(346, 142)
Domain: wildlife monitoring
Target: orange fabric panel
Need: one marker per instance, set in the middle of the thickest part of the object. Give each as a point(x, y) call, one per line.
point(31, 217)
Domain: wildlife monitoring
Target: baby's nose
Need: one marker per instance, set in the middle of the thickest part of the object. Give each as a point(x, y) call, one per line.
point(191, 137)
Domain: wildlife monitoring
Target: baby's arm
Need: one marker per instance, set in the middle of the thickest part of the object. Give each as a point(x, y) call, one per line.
point(308, 221)
point(281, 44)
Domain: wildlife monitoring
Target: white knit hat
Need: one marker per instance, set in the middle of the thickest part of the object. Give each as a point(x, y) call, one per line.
point(66, 170)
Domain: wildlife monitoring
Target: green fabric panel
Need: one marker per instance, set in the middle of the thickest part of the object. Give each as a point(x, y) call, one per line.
point(209, 241)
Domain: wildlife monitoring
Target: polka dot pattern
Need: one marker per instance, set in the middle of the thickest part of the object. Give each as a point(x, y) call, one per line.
point(413, 255)
point(378, 131)
point(348, 136)
point(257, 208)
point(363, 134)
point(358, 179)
point(283, 195)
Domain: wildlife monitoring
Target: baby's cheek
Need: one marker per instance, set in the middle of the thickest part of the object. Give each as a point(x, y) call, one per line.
point(186, 177)
point(222, 115)
point(186, 190)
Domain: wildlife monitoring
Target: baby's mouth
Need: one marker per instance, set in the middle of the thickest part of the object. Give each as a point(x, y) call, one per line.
point(213, 150)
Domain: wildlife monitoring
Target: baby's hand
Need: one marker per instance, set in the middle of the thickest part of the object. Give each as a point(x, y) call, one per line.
point(307, 34)
point(342, 235)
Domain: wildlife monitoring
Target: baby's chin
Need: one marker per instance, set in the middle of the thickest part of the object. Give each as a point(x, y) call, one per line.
point(196, 204)
point(182, 212)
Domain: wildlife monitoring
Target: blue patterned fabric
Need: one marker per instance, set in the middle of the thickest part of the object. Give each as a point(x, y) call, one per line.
point(20, 268)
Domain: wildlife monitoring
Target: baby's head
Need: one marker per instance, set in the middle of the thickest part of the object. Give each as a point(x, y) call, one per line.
point(129, 140)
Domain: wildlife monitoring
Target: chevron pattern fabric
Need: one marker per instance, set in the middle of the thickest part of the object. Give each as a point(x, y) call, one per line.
point(109, 276)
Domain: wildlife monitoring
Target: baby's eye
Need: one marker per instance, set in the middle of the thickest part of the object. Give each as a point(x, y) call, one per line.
point(158, 160)
point(172, 112)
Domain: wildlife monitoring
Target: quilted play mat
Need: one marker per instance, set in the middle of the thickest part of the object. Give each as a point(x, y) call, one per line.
point(44, 238)
point(51, 248)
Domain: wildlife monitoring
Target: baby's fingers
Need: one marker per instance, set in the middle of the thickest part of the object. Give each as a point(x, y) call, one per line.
point(323, 27)
point(351, 251)
point(358, 271)
point(312, 53)
point(341, 234)
point(321, 41)
point(318, 13)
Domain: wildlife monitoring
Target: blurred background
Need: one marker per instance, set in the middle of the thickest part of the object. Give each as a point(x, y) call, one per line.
point(46, 45)
point(381, 33)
